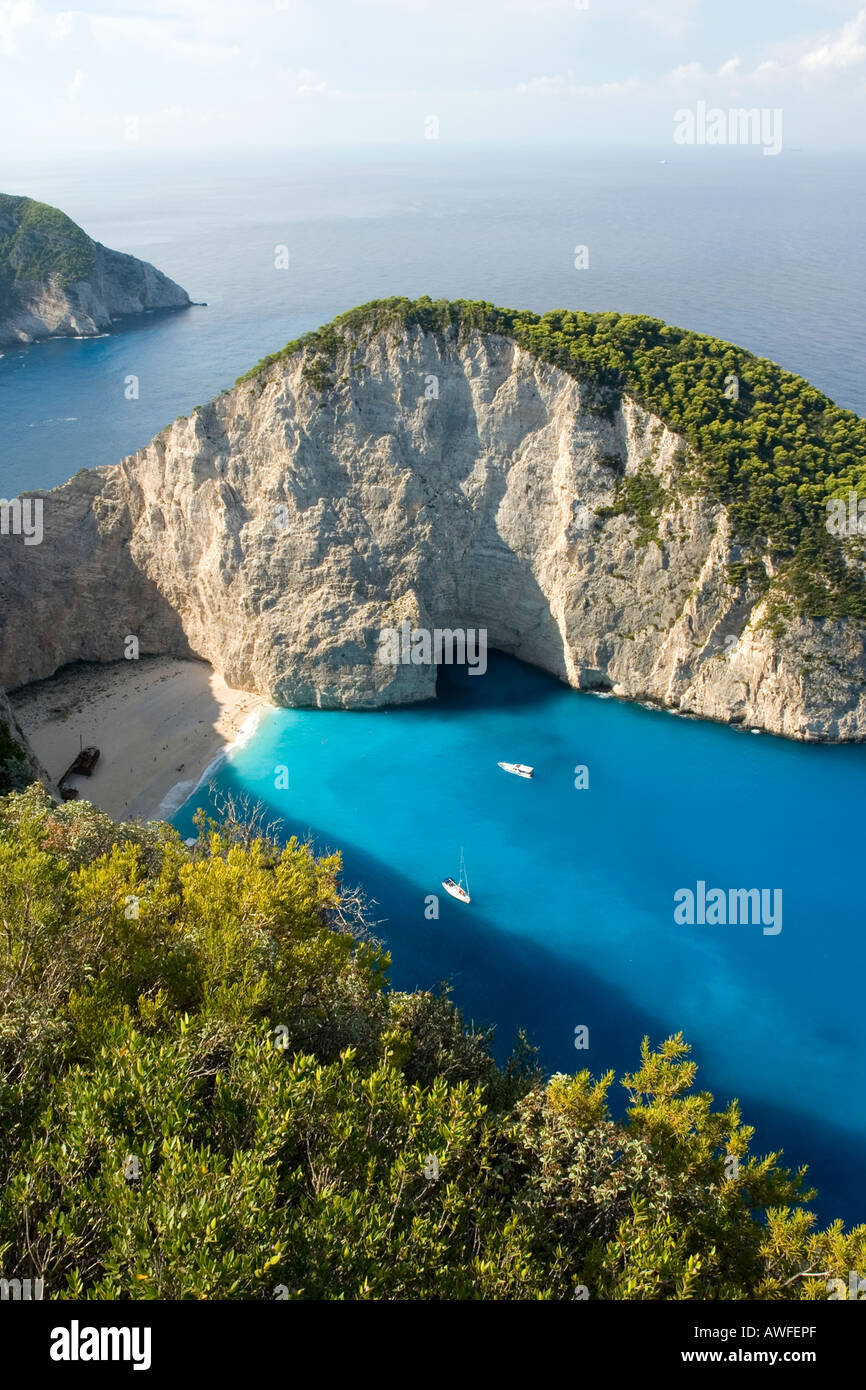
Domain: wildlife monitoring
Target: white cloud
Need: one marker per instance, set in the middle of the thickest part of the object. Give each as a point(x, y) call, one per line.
point(792, 62)
point(671, 18)
point(120, 36)
point(846, 50)
point(15, 15)
point(555, 85)
point(253, 73)
point(560, 84)
point(687, 72)
point(63, 24)
point(310, 84)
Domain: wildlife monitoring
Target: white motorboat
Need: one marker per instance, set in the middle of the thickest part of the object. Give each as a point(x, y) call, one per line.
point(518, 769)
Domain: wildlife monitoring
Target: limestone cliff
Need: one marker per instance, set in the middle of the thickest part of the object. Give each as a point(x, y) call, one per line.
point(57, 282)
point(452, 478)
point(19, 765)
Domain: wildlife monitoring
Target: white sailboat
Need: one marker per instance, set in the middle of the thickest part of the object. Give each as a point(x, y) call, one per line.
point(456, 889)
point(518, 769)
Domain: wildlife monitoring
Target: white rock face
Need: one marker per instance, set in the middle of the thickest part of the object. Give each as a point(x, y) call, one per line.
point(278, 530)
point(118, 284)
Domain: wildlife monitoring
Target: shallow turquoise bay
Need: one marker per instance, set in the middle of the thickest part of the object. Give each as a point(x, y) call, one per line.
point(571, 920)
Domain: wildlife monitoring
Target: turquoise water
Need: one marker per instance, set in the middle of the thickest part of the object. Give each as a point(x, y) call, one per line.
point(571, 920)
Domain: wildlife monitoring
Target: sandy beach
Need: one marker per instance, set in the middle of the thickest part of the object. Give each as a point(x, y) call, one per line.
point(157, 722)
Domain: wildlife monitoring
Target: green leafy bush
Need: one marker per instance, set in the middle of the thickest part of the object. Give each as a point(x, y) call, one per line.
point(208, 1090)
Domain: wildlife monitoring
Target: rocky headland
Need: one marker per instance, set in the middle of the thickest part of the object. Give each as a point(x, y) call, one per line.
point(605, 511)
point(55, 281)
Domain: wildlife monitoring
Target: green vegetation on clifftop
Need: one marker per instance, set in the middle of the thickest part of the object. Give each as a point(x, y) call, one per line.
point(207, 1090)
point(38, 243)
point(773, 455)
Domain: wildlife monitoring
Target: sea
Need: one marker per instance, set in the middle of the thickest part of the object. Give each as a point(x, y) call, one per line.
point(571, 934)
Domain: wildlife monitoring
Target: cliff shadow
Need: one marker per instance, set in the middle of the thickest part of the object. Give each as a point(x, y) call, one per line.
point(79, 595)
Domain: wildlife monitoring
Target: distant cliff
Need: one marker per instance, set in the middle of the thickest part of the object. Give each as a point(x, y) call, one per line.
point(579, 485)
point(57, 282)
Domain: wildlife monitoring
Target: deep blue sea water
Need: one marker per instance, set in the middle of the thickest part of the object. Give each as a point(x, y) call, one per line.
point(766, 253)
point(572, 915)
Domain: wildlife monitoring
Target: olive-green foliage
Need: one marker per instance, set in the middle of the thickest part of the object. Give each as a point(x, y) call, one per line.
point(38, 242)
point(774, 455)
point(207, 1090)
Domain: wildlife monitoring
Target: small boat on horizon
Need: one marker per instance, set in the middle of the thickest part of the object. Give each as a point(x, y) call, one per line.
point(456, 889)
point(518, 769)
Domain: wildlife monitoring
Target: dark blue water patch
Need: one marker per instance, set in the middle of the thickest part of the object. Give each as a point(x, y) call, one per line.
point(571, 921)
point(764, 253)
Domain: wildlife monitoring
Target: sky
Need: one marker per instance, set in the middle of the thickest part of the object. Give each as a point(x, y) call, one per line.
point(219, 75)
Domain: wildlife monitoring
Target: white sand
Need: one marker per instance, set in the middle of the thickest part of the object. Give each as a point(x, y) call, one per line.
point(158, 723)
